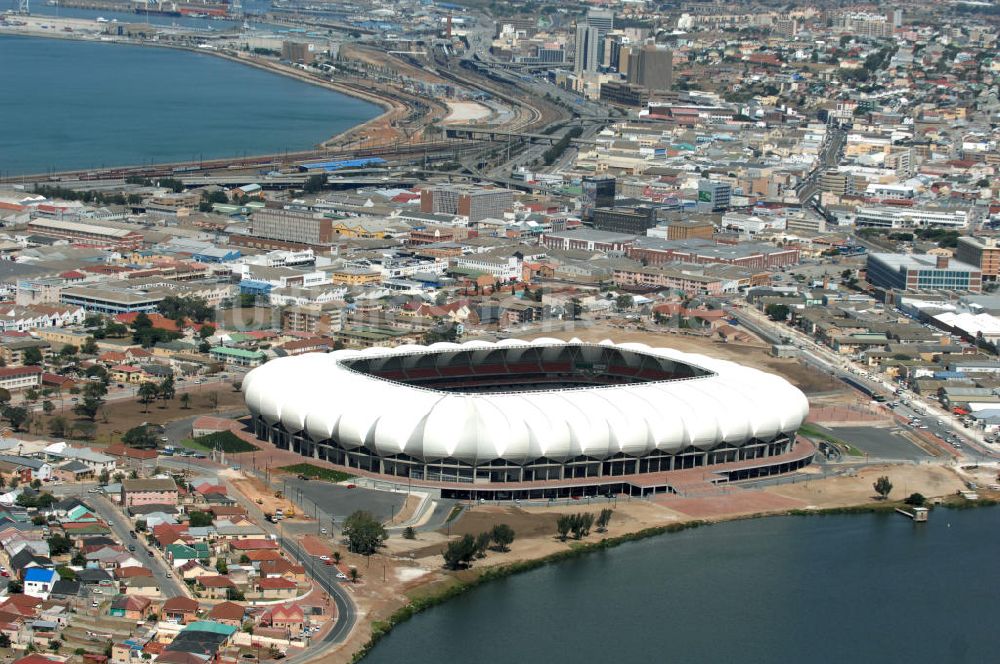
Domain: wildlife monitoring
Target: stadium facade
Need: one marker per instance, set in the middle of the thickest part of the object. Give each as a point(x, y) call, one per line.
point(518, 413)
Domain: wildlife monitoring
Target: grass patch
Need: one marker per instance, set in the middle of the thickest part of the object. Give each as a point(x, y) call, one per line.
point(317, 472)
point(814, 432)
point(455, 511)
point(225, 441)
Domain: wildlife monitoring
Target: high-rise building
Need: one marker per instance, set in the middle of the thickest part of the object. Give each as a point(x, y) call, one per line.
point(922, 272)
point(476, 203)
point(635, 220)
point(602, 19)
point(587, 49)
point(713, 195)
point(598, 191)
point(981, 252)
point(300, 228)
point(651, 67)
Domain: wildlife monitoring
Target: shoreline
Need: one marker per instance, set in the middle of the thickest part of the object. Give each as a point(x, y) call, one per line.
point(387, 106)
point(382, 628)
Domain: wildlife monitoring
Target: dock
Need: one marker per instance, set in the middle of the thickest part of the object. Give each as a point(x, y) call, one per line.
point(919, 514)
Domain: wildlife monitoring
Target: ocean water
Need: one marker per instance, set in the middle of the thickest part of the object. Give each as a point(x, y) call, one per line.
point(75, 105)
point(857, 588)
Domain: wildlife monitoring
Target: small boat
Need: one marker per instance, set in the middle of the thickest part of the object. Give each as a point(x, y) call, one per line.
point(101, 19)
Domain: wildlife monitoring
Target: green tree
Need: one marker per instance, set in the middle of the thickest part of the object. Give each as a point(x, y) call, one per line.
point(92, 401)
point(4, 396)
point(603, 519)
point(199, 519)
point(336, 557)
point(14, 587)
point(48, 407)
point(459, 553)
point(147, 394)
point(409, 533)
point(59, 545)
point(777, 312)
point(206, 331)
point(354, 574)
point(483, 543)
point(32, 356)
point(221, 566)
point(564, 524)
point(167, 389)
point(89, 347)
point(78, 560)
point(882, 487)
point(916, 499)
point(68, 351)
point(185, 401)
point(364, 533)
point(502, 536)
point(58, 426)
point(16, 415)
point(103, 477)
point(624, 302)
point(141, 437)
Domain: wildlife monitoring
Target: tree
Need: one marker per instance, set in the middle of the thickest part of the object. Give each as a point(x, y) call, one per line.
point(31, 396)
point(624, 302)
point(482, 543)
point(915, 499)
point(777, 312)
point(4, 396)
point(48, 407)
point(93, 400)
point(32, 356)
point(16, 415)
point(882, 487)
point(103, 477)
point(141, 437)
point(68, 351)
point(147, 394)
point(59, 545)
point(409, 533)
point(336, 557)
point(364, 533)
point(89, 347)
point(220, 566)
point(78, 559)
point(603, 519)
point(354, 574)
point(167, 389)
point(14, 587)
point(199, 519)
point(245, 559)
point(563, 525)
point(234, 595)
point(459, 553)
point(207, 330)
point(85, 430)
point(503, 536)
point(185, 401)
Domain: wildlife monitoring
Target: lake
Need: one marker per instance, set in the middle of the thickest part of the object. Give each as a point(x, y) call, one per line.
point(92, 104)
point(857, 588)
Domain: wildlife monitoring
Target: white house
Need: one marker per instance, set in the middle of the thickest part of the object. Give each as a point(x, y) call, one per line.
point(38, 581)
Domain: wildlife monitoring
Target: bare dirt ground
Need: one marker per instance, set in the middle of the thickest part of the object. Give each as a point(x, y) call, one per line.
point(755, 355)
point(928, 479)
point(255, 490)
point(120, 415)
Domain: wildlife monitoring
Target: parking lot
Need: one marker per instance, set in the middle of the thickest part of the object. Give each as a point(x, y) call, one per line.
point(339, 501)
point(881, 443)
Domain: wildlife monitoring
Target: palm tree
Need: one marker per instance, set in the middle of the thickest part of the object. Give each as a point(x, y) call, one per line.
point(185, 401)
point(336, 557)
point(354, 574)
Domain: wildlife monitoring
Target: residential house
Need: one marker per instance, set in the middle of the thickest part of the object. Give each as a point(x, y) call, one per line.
point(287, 617)
point(228, 613)
point(276, 588)
point(149, 492)
point(133, 608)
point(215, 586)
point(38, 582)
point(182, 610)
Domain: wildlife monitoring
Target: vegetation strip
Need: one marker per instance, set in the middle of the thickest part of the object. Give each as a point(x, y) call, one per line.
point(316, 472)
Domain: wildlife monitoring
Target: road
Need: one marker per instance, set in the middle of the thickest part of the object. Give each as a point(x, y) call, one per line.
point(120, 526)
point(324, 575)
point(934, 419)
point(828, 158)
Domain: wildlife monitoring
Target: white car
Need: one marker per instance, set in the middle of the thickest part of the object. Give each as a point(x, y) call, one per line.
point(322, 531)
point(324, 558)
point(341, 575)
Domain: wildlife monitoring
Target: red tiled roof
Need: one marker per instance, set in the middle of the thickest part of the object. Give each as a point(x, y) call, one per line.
point(216, 581)
point(274, 584)
point(253, 544)
point(227, 611)
point(180, 604)
point(158, 321)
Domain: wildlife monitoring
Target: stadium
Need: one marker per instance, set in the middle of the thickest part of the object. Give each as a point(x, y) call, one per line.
point(540, 418)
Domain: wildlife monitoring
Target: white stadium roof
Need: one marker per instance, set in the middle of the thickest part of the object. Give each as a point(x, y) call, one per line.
point(320, 396)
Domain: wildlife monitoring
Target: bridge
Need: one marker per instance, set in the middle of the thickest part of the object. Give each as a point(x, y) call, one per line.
point(499, 136)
